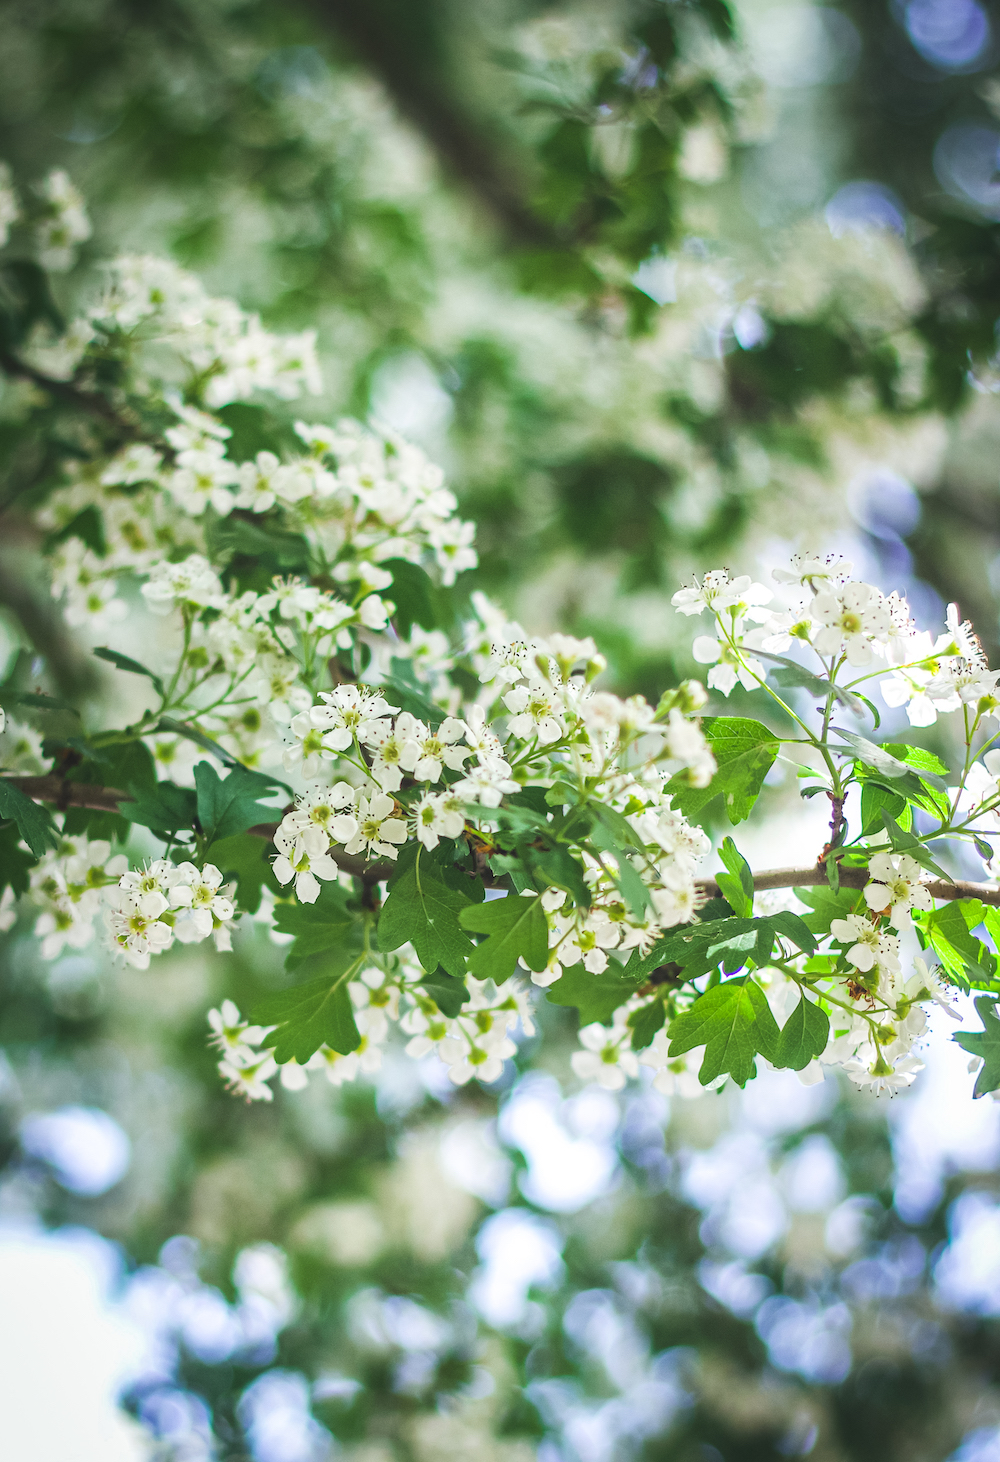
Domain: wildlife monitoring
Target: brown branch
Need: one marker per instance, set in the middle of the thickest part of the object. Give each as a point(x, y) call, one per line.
point(63, 793)
point(375, 33)
point(88, 401)
point(855, 878)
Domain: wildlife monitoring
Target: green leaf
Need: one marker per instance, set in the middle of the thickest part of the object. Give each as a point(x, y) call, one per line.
point(166, 808)
point(612, 834)
point(167, 725)
point(737, 884)
point(873, 798)
point(803, 1036)
point(883, 761)
point(34, 822)
point(557, 868)
point(404, 690)
point(413, 594)
point(325, 924)
point(745, 752)
point(421, 909)
point(516, 928)
point(281, 552)
point(15, 863)
point(37, 700)
point(318, 1013)
point(948, 931)
point(904, 842)
point(733, 1021)
point(791, 673)
point(125, 662)
point(228, 806)
point(596, 997)
point(916, 757)
point(985, 1044)
point(827, 904)
point(701, 948)
point(448, 994)
point(242, 857)
point(646, 1023)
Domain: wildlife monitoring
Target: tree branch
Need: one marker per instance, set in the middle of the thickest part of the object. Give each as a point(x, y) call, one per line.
point(62, 793)
point(378, 34)
point(938, 888)
point(87, 401)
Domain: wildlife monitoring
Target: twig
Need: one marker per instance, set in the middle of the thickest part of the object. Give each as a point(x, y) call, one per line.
point(88, 401)
point(64, 793)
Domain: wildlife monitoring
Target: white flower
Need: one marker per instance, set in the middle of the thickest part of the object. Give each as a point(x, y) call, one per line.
point(303, 854)
point(193, 582)
point(394, 750)
point(589, 942)
point(452, 543)
point(813, 571)
point(676, 1075)
point(486, 784)
point(203, 906)
point(65, 225)
point(138, 935)
point(438, 815)
point(868, 943)
point(535, 712)
point(729, 667)
point(231, 1033)
point(331, 809)
point(426, 752)
point(275, 686)
point(256, 483)
point(251, 1080)
point(895, 885)
point(721, 594)
point(606, 1057)
point(909, 688)
point(138, 462)
point(378, 829)
point(202, 479)
point(349, 711)
point(850, 620)
point(884, 1078)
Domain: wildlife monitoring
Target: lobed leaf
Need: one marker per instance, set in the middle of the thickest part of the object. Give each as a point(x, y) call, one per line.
point(516, 928)
point(744, 751)
point(318, 1013)
point(33, 822)
point(422, 910)
point(733, 1021)
point(596, 997)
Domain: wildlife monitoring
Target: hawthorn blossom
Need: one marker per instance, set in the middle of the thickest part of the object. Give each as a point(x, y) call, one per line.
point(896, 885)
point(730, 666)
point(721, 594)
point(850, 620)
point(378, 827)
point(350, 711)
point(427, 752)
point(438, 815)
point(607, 1057)
point(303, 855)
point(192, 582)
point(869, 944)
point(535, 713)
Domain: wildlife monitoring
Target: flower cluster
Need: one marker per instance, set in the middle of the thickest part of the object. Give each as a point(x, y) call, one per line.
point(71, 886)
point(154, 905)
point(294, 586)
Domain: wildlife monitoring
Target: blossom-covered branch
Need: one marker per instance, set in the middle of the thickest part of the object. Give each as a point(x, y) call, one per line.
point(439, 814)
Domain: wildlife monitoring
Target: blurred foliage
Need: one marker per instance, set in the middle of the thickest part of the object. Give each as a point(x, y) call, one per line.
point(580, 254)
